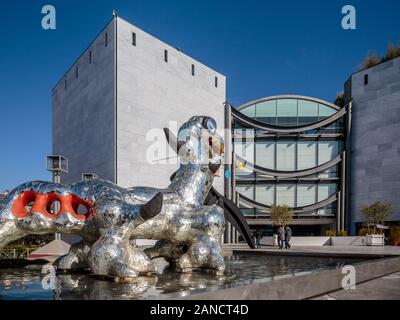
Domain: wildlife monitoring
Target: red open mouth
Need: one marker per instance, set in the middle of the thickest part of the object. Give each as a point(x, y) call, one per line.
point(31, 201)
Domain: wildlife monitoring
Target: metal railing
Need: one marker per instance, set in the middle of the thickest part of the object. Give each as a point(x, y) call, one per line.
point(15, 253)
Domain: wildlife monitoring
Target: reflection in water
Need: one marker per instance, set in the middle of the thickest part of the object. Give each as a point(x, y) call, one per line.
point(241, 269)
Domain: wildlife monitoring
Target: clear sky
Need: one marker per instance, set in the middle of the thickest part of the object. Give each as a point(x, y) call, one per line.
point(263, 47)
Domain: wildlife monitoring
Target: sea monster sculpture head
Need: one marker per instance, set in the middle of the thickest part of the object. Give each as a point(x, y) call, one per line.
point(199, 143)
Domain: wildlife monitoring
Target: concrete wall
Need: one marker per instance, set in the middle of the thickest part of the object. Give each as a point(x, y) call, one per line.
point(83, 112)
point(375, 151)
point(150, 94)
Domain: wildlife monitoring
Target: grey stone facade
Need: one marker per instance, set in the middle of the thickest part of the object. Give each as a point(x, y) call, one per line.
point(107, 118)
point(375, 138)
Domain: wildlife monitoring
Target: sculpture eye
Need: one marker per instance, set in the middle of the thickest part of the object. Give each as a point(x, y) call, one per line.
point(210, 124)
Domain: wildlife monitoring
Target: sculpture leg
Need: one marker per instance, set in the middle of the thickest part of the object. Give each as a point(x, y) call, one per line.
point(204, 253)
point(170, 251)
point(77, 258)
point(114, 256)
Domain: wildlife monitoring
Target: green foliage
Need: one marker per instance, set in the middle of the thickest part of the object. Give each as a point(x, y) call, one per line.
point(394, 233)
point(376, 213)
point(330, 233)
point(365, 231)
point(339, 101)
point(281, 215)
point(372, 58)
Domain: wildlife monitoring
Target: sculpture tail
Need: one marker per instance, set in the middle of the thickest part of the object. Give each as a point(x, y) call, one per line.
point(41, 208)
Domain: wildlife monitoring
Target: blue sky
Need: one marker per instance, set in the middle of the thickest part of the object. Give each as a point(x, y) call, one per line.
point(263, 47)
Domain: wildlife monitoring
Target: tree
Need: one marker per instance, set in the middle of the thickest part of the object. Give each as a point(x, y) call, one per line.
point(281, 215)
point(371, 60)
point(376, 213)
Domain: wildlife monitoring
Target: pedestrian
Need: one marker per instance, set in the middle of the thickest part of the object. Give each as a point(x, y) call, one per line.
point(258, 240)
point(281, 236)
point(288, 235)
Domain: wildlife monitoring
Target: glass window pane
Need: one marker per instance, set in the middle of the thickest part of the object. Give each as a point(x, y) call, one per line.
point(265, 194)
point(246, 190)
point(265, 154)
point(245, 150)
point(307, 108)
point(327, 150)
point(325, 190)
point(306, 194)
point(285, 194)
point(307, 112)
point(287, 108)
point(249, 111)
point(266, 109)
point(325, 111)
point(285, 156)
point(306, 155)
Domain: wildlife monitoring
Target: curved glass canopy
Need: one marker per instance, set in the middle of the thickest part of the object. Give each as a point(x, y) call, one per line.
point(288, 110)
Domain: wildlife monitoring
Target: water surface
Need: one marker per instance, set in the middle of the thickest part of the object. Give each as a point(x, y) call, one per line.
point(30, 283)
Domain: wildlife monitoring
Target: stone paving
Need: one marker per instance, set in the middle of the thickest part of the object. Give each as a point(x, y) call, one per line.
point(384, 288)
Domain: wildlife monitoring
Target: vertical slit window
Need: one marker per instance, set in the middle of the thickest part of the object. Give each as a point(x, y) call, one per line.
point(193, 70)
point(216, 82)
point(134, 39)
point(90, 57)
point(366, 79)
point(166, 55)
point(65, 84)
point(106, 39)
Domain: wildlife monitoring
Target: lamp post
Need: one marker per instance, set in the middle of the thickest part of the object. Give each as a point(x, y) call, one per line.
point(57, 164)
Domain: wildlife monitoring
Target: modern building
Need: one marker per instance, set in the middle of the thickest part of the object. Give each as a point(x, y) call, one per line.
point(321, 159)
point(116, 98)
point(375, 143)
point(290, 150)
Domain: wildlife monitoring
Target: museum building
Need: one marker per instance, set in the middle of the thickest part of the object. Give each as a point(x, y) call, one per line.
point(290, 150)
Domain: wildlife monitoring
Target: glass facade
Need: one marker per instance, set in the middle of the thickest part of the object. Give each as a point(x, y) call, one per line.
point(285, 154)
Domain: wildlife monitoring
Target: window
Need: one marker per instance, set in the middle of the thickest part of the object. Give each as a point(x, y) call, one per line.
point(266, 111)
point(166, 55)
point(216, 82)
point(133, 38)
point(65, 84)
point(90, 57)
point(265, 194)
point(306, 154)
point(365, 79)
point(287, 112)
point(265, 154)
point(76, 72)
point(106, 39)
point(192, 69)
point(285, 156)
point(249, 111)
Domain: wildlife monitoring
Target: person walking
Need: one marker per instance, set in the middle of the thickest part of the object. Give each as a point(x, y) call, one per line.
point(281, 236)
point(258, 240)
point(288, 235)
